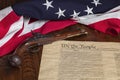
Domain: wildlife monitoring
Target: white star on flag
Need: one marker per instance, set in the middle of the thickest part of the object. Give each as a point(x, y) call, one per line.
point(89, 10)
point(75, 14)
point(96, 2)
point(48, 4)
point(60, 13)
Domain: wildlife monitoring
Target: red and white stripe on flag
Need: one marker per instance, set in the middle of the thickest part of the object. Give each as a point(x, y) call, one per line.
point(15, 29)
point(108, 22)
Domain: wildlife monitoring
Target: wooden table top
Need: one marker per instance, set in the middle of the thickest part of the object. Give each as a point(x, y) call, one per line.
point(29, 68)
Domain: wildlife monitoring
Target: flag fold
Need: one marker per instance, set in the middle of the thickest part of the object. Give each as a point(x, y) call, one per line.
point(44, 16)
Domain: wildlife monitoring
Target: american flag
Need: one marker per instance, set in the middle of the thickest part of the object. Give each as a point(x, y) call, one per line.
point(16, 21)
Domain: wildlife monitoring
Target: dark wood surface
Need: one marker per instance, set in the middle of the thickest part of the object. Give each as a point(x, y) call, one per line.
point(29, 68)
point(5, 3)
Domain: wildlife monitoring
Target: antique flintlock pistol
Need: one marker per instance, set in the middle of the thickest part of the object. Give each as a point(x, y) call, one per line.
point(32, 44)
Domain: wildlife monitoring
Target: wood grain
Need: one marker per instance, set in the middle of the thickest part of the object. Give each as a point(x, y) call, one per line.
point(31, 62)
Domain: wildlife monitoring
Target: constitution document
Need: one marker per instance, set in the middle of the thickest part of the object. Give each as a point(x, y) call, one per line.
point(80, 60)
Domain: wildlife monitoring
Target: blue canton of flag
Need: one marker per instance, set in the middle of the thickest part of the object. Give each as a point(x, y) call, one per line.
point(16, 22)
point(63, 9)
